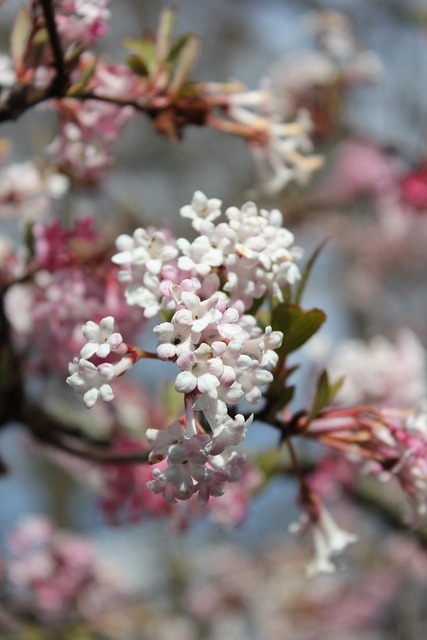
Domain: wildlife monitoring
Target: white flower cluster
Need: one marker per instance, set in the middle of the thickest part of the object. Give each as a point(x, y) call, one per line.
point(92, 382)
point(222, 356)
point(207, 287)
point(248, 256)
point(221, 353)
point(281, 151)
point(142, 258)
point(196, 462)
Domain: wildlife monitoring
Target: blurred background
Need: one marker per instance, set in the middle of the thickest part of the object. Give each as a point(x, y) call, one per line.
point(248, 583)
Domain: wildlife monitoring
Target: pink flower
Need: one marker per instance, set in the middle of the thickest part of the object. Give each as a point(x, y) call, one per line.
point(81, 21)
point(414, 188)
point(56, 247)
point(124, 494)
point(83, 148)
point(50, 573)
point(358, 168)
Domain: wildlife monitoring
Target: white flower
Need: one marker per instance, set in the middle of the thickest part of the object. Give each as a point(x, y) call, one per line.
point(262, 345)
point(329, 539)
point(174, 339)
point(194, 465)
point(162, 439)
point(199, 256)
point(279, 149)
point(141, 258)
point(91, 11)
point(201, 210)
point(229, 434)
point(263, 258)
point(57, 185)
point(175, 482)
point(251, 377)
point(196, 313)
point(199, 370)
point(91, 382)
point(7, 73)
point(101, 339)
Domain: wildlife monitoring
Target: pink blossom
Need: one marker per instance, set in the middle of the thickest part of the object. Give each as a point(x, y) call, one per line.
point(124, 494)
point(81, 21)
point(83, 148)
point(50, 573)
point(77, 282)
point(414, 188)
point(56, 247)
point(358, 167)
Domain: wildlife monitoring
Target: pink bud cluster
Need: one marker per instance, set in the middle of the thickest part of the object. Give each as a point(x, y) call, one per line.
point(390, 443)
point(55, 247)
point(89, 129)
point(405, 443)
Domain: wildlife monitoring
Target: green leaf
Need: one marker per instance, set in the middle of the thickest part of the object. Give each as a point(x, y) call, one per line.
point(20, 36)
point(177, 47)
point(325, 393)
point(39, 44)
point(284, 397)
point(165, 29)
point(278, 393)
point(286, 293)
point(297, 325)
point(145, 51)
point(80, 85)
point(136, 65)
point(185, 62)
point(270, 462)
point(291, 370)
point(307, 271)
point(28, 238)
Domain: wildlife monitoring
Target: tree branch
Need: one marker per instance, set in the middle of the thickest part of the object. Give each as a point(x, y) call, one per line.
point(61, 80)
point(46, 430)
